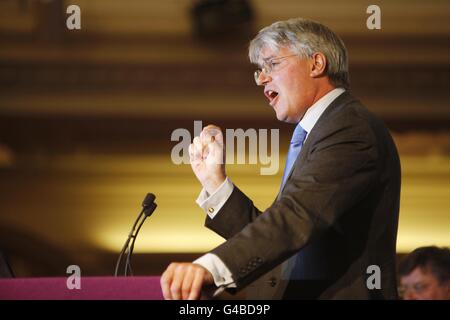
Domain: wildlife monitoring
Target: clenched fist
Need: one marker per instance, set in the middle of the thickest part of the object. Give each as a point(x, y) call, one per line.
point(207, 158)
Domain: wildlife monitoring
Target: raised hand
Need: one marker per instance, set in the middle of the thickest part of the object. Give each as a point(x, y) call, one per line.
point(207, 156)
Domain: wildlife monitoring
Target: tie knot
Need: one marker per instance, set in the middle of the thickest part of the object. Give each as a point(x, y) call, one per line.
point(299, 135)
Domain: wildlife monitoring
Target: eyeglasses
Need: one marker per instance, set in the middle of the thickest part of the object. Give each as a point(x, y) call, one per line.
point(417, 288)
point(269, 65)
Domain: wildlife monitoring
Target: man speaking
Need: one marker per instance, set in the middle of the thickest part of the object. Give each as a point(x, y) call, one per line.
point(336, 214)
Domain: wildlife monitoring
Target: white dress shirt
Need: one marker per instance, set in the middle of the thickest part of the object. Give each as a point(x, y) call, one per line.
point(211, 204)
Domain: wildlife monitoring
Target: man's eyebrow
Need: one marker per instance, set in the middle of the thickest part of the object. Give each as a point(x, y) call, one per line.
point(268, 58)
point(261, 62)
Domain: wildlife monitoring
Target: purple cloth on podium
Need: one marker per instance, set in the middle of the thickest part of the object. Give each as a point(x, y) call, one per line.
point(92, 288)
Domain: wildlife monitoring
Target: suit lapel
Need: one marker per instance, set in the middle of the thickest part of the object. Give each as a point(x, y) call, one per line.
point(340, 101)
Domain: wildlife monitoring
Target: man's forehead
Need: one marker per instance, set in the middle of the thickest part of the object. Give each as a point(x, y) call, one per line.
point(268, 53)
point(417, 274)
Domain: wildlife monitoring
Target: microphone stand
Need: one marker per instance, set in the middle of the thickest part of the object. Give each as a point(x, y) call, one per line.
point(148, 207)
point(147, 212)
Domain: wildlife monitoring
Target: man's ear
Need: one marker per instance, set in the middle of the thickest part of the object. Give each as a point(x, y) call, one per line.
point(318, 64)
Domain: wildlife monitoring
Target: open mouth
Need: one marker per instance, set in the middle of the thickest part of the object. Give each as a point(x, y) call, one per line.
point(271, 95)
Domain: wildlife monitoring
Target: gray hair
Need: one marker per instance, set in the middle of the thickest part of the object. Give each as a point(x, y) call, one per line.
point(305, 37)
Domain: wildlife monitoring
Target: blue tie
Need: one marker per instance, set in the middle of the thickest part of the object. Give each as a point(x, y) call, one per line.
point(298, 137)
point(291, 269)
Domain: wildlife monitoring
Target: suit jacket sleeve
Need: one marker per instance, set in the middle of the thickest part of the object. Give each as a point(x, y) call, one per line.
point(335, 170)
point(237, 212)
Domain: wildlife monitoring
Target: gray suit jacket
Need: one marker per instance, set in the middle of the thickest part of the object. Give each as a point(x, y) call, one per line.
point(336, 216)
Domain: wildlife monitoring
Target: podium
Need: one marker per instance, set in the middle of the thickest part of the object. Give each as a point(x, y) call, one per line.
point(91, 288)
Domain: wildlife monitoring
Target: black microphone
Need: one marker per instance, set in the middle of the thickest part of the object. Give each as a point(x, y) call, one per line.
point(149, 199)
point(148, 206)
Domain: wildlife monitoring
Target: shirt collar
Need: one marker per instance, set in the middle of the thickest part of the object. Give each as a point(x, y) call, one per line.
point(315, 111)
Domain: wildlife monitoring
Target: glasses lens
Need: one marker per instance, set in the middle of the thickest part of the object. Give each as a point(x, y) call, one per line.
point(256, 75)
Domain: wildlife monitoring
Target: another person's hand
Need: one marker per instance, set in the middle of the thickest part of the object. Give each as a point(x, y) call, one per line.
point(207, 158)
point(184, 281)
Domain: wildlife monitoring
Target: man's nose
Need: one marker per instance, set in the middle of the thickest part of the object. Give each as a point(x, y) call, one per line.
point(409, 295)
point(263, 79)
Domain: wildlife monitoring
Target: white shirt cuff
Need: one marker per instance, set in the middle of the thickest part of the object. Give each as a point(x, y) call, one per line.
point(211, 204)
point(221, 274)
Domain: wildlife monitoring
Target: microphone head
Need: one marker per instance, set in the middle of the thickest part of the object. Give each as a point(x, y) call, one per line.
point(149, 210)
point(149, 199)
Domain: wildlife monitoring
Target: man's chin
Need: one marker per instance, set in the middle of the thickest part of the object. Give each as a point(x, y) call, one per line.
point(285, 118)
point(281, 117)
